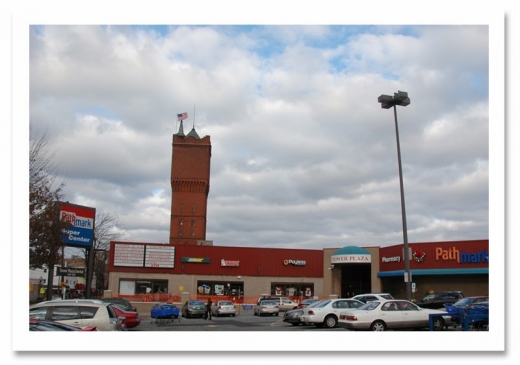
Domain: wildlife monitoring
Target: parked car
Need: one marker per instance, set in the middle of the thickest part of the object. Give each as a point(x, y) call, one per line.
point(266, 307)
point(132, 318)
point(293, 317)
point(193, 308)
point(37, 324)
point(440, 299)
point(284, 303)
point(80, 313)
point(381, 315)
point(326, 312)
point(263, 297)
point(223, 308)
point(122, 302)
point(466, 305)
point(306, 302)
point(480, 313)
point(372, 296)
point(467, 301)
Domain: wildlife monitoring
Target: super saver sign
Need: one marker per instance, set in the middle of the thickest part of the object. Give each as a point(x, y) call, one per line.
point(81, 231)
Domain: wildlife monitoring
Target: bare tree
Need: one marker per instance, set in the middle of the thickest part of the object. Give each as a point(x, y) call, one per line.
point(45, 226)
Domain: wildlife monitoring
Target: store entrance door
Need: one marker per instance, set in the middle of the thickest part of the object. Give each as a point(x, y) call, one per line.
point(355, 279)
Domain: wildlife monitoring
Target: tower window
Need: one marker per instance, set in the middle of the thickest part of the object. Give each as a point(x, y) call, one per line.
point(180, 233)
point(181, 222)
point(193, 223)
point(192, 233)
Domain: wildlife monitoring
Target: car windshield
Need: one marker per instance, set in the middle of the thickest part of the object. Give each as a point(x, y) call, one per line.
point(196, 303)
point(428, 297)
point(319, 304)
point(463, 302)
point(225, 303)
point(268, 302)
point(315, 304)
point(370, 306)
point(386, 296)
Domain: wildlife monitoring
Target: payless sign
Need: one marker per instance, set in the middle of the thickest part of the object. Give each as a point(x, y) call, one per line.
point(81, 231)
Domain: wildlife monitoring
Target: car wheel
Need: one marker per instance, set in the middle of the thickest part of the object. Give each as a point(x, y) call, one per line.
point(330, 321)
point(438, 324)
point(378, 326)
point(277, 314)
point(232, 315)
point(295, 324)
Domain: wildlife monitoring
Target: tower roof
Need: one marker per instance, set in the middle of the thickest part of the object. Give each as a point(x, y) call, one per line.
point(193, 134)
point(181, 131)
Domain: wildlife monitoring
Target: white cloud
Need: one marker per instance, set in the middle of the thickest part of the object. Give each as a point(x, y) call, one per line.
point(302, 153)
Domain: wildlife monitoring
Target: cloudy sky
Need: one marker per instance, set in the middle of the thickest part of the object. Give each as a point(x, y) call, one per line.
point(303, 155)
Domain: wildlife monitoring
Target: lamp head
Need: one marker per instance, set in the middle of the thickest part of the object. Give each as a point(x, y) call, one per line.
point(387, 101)
point(401, 98)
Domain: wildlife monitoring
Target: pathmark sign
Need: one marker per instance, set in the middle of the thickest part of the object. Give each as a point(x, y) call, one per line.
point(81, 231)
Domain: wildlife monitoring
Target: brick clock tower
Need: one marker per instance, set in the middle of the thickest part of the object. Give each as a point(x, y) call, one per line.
point(191, 156)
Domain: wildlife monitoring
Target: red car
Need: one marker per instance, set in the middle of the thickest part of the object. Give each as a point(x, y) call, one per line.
point(132, 318)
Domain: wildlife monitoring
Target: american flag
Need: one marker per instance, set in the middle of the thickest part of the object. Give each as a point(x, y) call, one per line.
point(182, 116)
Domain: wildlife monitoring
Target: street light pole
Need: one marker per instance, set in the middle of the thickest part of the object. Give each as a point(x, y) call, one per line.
point(387, 101)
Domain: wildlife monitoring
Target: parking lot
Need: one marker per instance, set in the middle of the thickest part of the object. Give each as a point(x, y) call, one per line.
point(244, 322)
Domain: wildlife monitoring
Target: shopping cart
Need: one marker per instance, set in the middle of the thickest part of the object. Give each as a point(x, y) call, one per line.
point(475, 317)
point(164, 313)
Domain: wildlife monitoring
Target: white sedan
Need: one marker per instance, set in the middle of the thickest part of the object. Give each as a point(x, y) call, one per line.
point(393, 314)
point(326, 312)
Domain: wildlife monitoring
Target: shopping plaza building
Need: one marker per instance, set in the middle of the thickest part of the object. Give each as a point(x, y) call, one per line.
point(190, 266)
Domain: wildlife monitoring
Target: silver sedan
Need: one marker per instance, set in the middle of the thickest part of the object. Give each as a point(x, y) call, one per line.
point(223, 308)
point(266, 307)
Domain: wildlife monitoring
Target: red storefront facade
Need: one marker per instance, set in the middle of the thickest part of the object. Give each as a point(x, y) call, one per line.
point(243, 273)
point(437, 266)
point(201, 271)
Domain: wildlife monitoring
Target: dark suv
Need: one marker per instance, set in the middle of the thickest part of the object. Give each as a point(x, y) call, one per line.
point(440, 299)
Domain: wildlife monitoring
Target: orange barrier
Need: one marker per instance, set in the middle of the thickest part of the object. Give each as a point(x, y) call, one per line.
point(177, 298)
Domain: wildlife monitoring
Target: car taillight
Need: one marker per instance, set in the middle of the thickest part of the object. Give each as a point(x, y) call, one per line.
point(219, 307)
point(351, 318)
point(311, 313)
point(121, 324)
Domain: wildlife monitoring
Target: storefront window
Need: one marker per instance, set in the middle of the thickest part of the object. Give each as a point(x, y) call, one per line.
point(132, 287)
point(292, 289)
point(235, 289)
